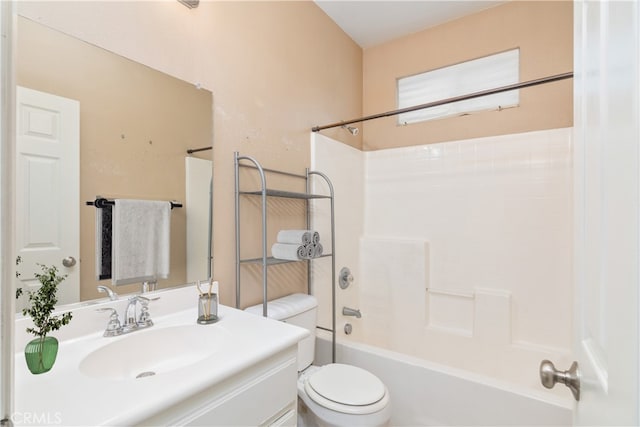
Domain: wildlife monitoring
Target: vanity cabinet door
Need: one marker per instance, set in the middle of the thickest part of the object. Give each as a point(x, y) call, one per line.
point(289, 419)
point(264, 394)
point(261, 402)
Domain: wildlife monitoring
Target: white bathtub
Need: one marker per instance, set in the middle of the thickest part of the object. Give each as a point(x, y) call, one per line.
point(427, 394)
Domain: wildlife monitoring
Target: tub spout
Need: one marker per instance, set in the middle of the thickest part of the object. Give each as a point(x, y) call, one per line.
point(346, 311)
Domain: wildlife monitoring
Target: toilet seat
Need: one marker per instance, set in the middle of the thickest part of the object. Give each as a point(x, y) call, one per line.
point(346, 389)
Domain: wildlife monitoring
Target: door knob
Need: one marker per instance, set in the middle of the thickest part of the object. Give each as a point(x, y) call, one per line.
point(549, 376)
point(69, 261)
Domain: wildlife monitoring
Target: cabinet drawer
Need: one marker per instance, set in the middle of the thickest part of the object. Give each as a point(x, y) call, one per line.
point(256, 402)
point(259, 395)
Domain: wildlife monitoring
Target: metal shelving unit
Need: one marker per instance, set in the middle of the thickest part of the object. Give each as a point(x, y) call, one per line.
point(265, 261)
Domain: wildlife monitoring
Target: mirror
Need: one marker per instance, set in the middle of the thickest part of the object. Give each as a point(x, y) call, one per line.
point(135, 127)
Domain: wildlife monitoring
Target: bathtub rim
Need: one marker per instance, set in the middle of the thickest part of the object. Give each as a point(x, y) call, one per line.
point(542, 396)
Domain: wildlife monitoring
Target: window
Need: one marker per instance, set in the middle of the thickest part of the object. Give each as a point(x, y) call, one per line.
point(468, 77)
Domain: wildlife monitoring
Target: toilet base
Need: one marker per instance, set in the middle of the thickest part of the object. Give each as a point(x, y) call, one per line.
point(306, 418)
point(311, 414)
point(326, 418)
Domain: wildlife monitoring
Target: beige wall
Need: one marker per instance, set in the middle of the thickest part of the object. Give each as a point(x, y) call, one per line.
point(135, 127)
point(543, 30)
point(276, 69)
point(283, 68)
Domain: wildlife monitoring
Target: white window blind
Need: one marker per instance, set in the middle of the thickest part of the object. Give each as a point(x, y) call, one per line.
point(465, 78)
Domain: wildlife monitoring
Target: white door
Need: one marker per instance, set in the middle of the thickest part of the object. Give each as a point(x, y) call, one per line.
point(607, 212)
point(47, 188)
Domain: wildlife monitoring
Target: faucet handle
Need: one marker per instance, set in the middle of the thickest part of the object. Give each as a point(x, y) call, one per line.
point(143, 300)
point(113, 327)
point(145, 318)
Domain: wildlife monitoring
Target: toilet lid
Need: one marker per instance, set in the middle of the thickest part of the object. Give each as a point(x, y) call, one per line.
point(347, 385)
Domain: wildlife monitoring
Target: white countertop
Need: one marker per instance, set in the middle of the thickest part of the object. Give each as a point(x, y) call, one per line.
point(67, 396)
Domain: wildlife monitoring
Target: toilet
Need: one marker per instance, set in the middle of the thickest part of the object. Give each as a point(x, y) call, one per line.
point(333, 395)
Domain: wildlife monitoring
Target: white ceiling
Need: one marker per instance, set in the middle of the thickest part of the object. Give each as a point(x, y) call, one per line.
point(372, 22)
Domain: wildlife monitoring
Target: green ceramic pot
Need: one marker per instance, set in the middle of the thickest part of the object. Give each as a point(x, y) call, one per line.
point(40, 354)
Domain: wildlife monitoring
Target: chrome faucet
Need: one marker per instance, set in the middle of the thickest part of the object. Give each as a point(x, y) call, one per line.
point(105, 289)
point(346, 311)
point(132, 321)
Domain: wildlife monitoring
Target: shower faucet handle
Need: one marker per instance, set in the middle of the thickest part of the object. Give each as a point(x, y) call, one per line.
point(345, 278)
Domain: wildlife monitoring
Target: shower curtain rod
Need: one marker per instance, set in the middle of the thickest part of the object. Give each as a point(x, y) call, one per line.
point(195, 150)
point(514, 86)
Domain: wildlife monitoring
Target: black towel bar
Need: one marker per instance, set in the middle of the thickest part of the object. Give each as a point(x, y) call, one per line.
point(101, 202)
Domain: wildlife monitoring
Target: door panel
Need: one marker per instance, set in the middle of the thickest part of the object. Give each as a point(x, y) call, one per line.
point(607, 213)
point(47, 187)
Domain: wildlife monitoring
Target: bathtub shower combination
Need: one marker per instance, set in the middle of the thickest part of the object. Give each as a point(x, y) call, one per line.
point(428, 394)
point(452, 247)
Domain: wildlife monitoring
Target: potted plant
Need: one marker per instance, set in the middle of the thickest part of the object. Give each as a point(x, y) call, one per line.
point(41, 352)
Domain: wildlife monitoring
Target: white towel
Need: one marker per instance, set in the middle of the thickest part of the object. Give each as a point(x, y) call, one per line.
point(141, 241)
point(294, 252)
point(289, 251)
point(298, 236)
point(317, 250)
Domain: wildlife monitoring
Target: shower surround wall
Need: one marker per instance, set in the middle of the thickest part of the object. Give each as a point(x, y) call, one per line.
point(464, 253)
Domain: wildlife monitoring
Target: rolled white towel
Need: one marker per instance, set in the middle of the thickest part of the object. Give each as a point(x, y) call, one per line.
point(309, 251)
point(303, 237)
point(289, 251)
point(317, 250)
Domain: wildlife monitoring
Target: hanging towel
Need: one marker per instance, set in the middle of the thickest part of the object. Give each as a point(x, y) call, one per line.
point(304, 237)
point(141, 241)
point(103, 242)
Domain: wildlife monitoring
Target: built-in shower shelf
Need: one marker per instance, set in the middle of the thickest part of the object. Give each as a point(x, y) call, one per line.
point(286, 194)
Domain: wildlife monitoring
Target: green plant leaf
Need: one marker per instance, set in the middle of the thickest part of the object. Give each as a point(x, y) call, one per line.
point(42, 303)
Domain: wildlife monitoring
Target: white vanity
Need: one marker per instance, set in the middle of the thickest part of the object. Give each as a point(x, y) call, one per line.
point(241, 370)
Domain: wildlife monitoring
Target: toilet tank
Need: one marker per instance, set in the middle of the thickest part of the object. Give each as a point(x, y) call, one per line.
point(299, 310)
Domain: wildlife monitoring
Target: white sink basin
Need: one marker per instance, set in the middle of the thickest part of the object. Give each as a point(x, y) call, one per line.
point(154, 351)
